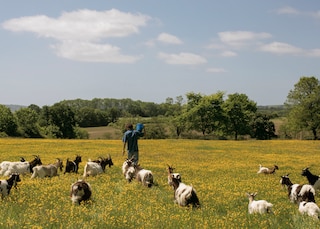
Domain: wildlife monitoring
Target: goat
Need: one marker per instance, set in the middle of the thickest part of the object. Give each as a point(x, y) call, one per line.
point(22, 167)
point(72, 166)
point(172, 174)
point(51, 170)
point(184, 195)
point(5, 164)
point(104, 162)
point(298, 192)
point(96, 167)
point(309, 208)
point(6, 185)
point(80, 191)
point(258, 206)
point(144, 176)
point(128, 170)
point(266, 170)
point(312, 179)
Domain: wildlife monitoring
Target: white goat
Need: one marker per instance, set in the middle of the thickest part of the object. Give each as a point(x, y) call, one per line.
point(80, 191)
point(6, 164)
point(266, 170)
point(172, 174)
point(258, 206)
point(93, 168)
point(128, 170)
point(184, 195)
point(309, 208)
point(22, 167)
point(144, 176)
point(6, 185)
point(51, 170)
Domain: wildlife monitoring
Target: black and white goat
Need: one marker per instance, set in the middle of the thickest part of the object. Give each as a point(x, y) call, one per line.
point(51, 170)
point(172, 174)
point(8, 168)
point(6, 185)
point(258, 206)
point(73, 166)
point(80, 191)
point(93, 168)
point(313, 180)
point(184, 195)
point(266, 170)
point(298, 192)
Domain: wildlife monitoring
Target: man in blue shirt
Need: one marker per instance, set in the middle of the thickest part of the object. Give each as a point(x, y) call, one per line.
point(130, 138)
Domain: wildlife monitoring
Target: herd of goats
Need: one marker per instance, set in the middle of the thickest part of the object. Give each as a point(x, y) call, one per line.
point(301, 194)
point(184, 195)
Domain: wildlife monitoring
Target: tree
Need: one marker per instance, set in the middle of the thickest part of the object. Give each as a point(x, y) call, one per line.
point(240, 112)
point(304, 105)
point(27, 120)
point(8, 123)
point(263, 128)
point(63, 117)
point(204, 113)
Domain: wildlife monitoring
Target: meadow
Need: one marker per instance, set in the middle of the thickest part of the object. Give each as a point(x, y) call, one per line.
point(220, 171)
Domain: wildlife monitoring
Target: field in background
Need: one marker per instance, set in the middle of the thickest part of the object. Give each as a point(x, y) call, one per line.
point(103, 132)
point(221, 172)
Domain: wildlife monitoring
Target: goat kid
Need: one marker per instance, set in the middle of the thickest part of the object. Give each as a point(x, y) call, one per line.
point(72, 166)
point(312, 179)
point(266, 170)
point(184, 195)
point(22, 167)
point(80, 191)
point(298, 192)
point(172, 174)
point(309, 208)
point(6, 185)
point(258, 206)
point(51, 170)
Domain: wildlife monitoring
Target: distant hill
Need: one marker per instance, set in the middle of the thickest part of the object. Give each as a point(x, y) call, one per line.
point(13, 107)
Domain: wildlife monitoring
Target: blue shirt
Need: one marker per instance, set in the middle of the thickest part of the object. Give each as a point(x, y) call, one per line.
point(131, 138)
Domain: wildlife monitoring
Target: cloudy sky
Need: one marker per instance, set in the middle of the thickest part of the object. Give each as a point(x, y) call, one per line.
point(150, 50)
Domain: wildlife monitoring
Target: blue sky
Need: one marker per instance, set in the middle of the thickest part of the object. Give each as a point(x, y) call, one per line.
point(150, 50)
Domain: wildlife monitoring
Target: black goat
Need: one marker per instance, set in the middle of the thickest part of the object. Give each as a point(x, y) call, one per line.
point(314, 180)
point(72, 166)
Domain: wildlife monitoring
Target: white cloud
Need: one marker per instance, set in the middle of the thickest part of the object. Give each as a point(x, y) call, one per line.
point(83, 27)
point(281, 48)
point(228, 54)
point(91, 52)
point(169, 39)
point(182, 58)
point(238, 39)
point(216, 70)
point(287, 10)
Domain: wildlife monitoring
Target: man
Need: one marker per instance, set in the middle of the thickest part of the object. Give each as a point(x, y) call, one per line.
point(130, 139)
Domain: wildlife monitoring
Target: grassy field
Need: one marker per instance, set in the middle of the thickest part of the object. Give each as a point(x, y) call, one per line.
point(221, 172)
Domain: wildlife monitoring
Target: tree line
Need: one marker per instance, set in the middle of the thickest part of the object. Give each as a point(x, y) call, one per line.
point(219, 115)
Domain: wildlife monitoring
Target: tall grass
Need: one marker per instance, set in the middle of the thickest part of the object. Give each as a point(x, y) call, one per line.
point(221, 172)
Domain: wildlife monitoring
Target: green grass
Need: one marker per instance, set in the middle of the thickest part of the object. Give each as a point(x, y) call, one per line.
point(220, 171)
